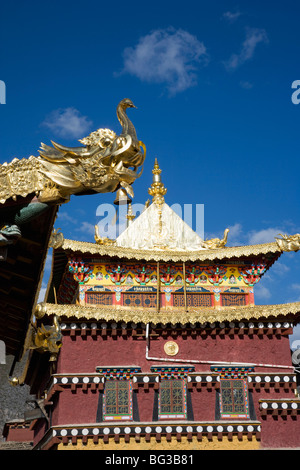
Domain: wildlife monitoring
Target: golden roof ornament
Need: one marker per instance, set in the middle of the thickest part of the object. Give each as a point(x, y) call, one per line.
point(215, 243)
point(288, 242)
point(105, 163)
point(122, 198)
point(102, 240)
point(157, 189)
point(130, 215)
point(56, 239)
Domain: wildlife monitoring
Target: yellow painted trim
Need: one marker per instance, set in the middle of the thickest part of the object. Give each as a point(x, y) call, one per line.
point(173, 444)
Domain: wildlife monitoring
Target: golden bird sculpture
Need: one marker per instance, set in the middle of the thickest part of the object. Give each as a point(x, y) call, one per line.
point(105, 163)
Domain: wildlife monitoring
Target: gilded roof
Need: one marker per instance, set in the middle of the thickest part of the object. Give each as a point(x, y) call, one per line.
point(165, 255)
point(150, 315)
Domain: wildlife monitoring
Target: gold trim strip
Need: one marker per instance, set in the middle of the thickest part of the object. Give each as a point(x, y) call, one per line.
point(136, 315)
point(168, 255)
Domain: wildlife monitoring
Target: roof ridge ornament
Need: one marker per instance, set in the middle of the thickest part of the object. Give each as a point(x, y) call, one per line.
point(215, 243)
point(130, 215)
point(157, 189)
point(105, 163)
point(288, 242)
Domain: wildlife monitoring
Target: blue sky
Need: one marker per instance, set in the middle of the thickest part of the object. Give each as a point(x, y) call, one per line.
point(212, 82)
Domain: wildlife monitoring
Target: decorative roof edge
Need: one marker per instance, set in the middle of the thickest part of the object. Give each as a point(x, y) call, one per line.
point(165, 255)
point(142, 315)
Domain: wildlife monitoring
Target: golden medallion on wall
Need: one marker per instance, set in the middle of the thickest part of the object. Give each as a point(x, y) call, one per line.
point(171, 348)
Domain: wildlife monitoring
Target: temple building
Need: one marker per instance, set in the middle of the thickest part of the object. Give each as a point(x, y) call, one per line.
point(154, 341)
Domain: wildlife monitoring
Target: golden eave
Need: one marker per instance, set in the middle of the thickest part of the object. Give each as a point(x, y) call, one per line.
point(165, 255)
point(143, 315)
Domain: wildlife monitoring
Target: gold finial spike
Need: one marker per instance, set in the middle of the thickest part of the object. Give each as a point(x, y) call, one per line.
point(156, 172)
point(130, 215)
point(157, 190)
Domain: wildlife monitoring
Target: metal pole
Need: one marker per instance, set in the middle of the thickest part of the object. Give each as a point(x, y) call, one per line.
point(158, 288)
point(184, 287)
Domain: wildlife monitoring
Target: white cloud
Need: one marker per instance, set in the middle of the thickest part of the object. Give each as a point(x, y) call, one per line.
point(246, 85)
point(235, 235)
point(263, 236)
point(67, 122)
point(166, 56)
point(280, 269)
point(42, 293)
point(64, 216)
point(86, 228)
point(48, 263)
point(231, 17)
point(254, 36)
point(262, 292)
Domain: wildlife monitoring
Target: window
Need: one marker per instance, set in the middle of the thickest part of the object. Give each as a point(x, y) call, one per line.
point(117, 400)
point(172, 398)
point(140, 300)
point(99, 298)
point(230, 300)
point(193, 300)
point(234, 398)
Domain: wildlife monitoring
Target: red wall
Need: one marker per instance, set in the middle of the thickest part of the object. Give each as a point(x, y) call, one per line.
point(20, 435)
point(84, 354)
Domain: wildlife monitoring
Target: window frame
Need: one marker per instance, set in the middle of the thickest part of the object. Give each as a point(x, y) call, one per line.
point(91, 298)
point(178, 299)
point(233, 414)
point(118, 416)
point(145, 299)
point(171, 414)
point(234, 299)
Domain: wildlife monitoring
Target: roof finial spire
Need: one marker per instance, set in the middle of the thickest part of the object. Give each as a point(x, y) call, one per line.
point(157, 190)
point(130, 215)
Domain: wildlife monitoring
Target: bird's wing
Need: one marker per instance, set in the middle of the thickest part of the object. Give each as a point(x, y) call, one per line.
point(60, 174)
point(61, 154)
point(61, 164)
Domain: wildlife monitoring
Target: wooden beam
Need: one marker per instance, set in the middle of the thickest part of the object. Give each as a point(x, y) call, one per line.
point(12, 300)
point(19, 271)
